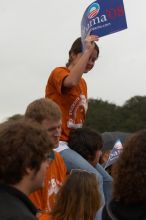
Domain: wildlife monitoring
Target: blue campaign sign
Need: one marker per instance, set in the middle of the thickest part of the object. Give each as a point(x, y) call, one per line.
point(103, 17)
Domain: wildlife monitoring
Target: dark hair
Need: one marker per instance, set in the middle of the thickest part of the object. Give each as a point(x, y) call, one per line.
point(15, 117)
point(78, 198)
point(129, 173)
point(22, 145)
point(76, 48)
point(41, 109)
point(86, 142)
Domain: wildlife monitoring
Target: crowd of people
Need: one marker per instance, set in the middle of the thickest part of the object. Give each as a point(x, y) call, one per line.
point(51, 168)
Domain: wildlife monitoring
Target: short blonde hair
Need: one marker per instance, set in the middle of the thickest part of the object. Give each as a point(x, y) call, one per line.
point(41, 109)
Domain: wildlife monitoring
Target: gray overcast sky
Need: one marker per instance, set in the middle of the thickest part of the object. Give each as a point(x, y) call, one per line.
point(35, 36)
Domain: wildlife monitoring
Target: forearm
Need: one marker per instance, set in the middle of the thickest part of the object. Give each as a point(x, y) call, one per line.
point(77, 70)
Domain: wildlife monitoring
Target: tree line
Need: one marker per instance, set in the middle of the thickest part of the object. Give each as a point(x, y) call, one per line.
point(104, 116)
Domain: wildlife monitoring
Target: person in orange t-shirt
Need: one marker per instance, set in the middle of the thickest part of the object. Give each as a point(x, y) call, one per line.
point(47, 113)
point(68, 89)
point(45, 198)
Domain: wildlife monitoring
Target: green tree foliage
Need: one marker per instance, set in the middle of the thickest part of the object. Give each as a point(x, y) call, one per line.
point(134, 111)
point(104, 116)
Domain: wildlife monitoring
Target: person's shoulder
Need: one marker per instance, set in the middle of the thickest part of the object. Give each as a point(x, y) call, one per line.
point(60, 69)
point(13, 208)
point(59, 73)
point(59, 161)
point(58, 156)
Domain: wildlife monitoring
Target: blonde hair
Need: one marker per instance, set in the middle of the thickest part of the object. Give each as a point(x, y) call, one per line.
point(41, 109)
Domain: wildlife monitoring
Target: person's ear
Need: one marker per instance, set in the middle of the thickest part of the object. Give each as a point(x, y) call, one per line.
point(28, 171)
point(98, 154)
point(73, 56)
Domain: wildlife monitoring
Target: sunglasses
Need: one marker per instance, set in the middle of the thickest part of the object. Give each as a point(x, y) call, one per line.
point(80, 171)
point(51, 155)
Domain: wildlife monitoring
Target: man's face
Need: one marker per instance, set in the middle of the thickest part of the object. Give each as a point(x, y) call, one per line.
point(54, 130)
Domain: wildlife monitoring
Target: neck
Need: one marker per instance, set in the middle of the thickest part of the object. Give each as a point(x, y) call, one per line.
point(23, 186)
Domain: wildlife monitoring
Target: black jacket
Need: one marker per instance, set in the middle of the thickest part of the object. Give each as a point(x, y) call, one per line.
point(118, 211)
point(14, 205)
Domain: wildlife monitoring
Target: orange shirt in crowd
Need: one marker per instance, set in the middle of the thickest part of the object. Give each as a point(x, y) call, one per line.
point(44, 198)
point(72, 101)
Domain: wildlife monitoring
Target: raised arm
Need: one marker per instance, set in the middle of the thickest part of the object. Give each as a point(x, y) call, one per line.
point(79, 62)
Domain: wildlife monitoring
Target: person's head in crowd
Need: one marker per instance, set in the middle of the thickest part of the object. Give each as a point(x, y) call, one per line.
point(76, 51)
point(87, 142)
point(12, 118)
point(15, 117)
point(48, 114)
point(78, 198)
point(129, 172)
point(24, 155)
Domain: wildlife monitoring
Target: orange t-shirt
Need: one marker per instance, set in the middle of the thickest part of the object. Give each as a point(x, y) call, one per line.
point(73, 101)
point(44, 198)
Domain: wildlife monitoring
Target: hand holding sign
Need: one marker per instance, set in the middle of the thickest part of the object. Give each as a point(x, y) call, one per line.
point(88, 43)
point(114, 155)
